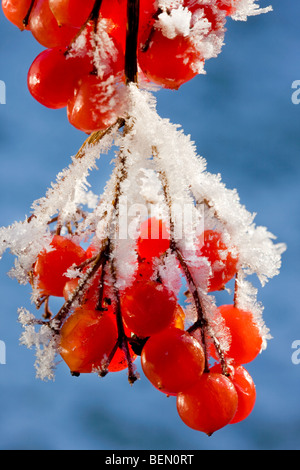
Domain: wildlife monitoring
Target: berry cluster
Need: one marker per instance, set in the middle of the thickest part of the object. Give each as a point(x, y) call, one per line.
point(82, 67)
point(104, 333)
point(122, 301)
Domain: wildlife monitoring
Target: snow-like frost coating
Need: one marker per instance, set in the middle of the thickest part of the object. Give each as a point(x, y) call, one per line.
point(156, 170)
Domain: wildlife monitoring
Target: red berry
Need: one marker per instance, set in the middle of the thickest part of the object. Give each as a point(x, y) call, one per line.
point(172, 360)
point(86, 340)
point(16, 11)
point(71, 12)
point(209, 405)
point(246, 391)
point(154, 239)
point(223, 261)
point(169, 62)
point(119, 361)
point(94, 105)
point(115, 12)
point(145, 271)
point(246, 341)
point(45, 28)
point(51, 266)
point(92, 251)
point(53, 75)
point(97, 101)
point(147, 308)
point(245, 388)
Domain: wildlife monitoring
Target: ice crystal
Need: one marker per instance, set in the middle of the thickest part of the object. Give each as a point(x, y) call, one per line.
point(246, 8)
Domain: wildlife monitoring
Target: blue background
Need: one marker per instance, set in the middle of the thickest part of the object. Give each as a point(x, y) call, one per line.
point(242, 119)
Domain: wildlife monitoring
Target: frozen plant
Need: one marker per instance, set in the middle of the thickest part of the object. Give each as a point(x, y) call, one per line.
point(119, 260)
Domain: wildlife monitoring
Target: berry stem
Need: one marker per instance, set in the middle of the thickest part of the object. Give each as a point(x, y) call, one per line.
point(100, 260)
point(95, 11)
point(93, 17)
point(132, 28)
point(47, 313)
point(145, 46)
point(26, 19)
point(122, 341)
point(122, 338)
point(201, 322)
point(95, 137)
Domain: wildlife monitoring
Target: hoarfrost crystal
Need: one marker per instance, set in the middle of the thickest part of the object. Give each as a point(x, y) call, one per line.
point(156, 168)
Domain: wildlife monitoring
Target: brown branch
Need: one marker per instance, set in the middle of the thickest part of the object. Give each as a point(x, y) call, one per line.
point(95, 137)
point(201, 322)
point(146, 44)
point(59, 318)
point(132, 27)
point(93, 17)
point(122, 341)
point(26, 19)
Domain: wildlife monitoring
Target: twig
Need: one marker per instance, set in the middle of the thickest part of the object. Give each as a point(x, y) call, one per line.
point(26, 19)
point(201, 322)
point(94, 15)
point(95, 137)
point(59, 318)
point(131, 69)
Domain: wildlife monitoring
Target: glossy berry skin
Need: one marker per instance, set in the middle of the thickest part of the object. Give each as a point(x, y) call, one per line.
point(53, 75)
point(16, 11)
point(154, 239)
point(71, 12)
point(94, 105)
point(246, 341)
point(224, 262)
point(179, 319)
point(245, 388)
point(209, 405)
point(246, 391)
point(169, 62)
point(119, 361)
point(172, 360)
point(51, 266)
point(86, 340)
point(45, 28)
point(147, 308)
point(97, 101)
point(114, 12)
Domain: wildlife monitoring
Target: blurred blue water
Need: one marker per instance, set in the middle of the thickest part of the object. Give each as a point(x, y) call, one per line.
point(241, 117)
